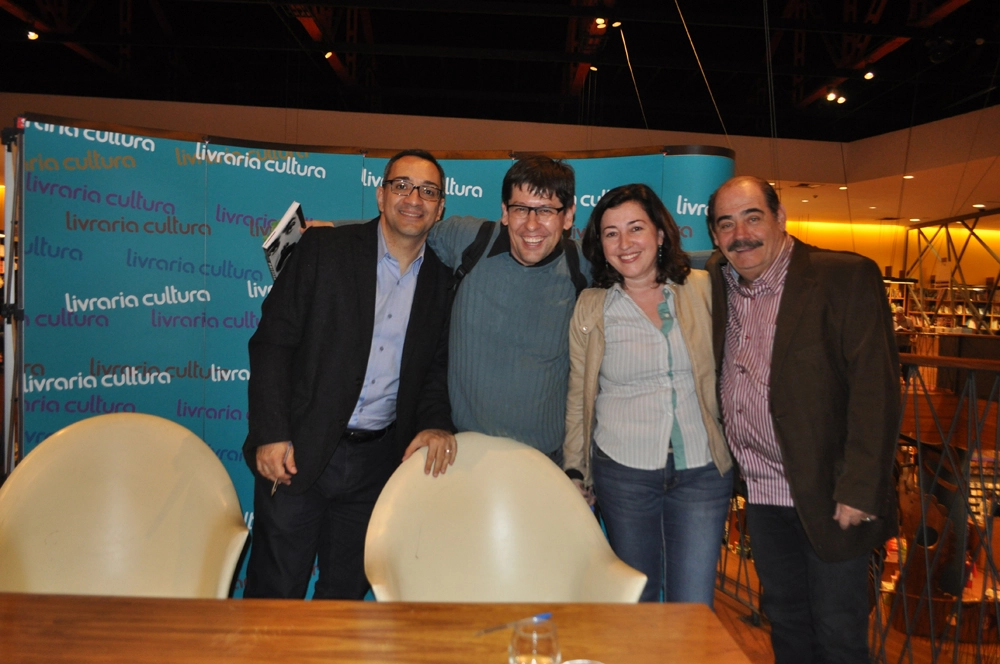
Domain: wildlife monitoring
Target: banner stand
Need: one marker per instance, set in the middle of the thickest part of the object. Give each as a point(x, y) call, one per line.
point(12, 308)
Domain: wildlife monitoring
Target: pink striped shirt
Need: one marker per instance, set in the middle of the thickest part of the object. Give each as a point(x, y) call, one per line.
point(746, 378)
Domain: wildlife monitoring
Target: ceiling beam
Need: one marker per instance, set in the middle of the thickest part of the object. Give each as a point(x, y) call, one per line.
point(496, 54)
point(42, 27)
point(662, 16)
point(934, 16)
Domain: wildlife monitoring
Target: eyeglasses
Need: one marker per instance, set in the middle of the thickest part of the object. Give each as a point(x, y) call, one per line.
point(543, 212)
point(402, 187)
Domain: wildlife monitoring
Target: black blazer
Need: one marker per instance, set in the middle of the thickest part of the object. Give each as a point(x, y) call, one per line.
point(309, 355)
point(835, 387)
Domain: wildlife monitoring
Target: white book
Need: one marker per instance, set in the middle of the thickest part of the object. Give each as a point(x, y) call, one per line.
point(284, 236)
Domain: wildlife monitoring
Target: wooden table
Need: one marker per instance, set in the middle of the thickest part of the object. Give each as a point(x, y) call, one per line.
point(57, 628)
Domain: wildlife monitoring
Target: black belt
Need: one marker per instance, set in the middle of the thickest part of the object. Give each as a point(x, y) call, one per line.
point(363, 435)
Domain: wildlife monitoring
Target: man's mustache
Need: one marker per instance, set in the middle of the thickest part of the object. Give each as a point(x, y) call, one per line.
point(735, 245)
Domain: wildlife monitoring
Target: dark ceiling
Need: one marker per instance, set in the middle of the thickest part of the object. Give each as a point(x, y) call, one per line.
point(529, 61)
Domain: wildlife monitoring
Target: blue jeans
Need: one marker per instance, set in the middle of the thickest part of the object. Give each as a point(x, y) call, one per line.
point(818, 610)
point(665, 523)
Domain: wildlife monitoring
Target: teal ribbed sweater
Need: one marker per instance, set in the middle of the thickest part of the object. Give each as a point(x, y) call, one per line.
point(508, 359)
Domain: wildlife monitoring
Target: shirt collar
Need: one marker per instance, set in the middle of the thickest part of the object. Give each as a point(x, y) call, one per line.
point(772, 279)
point(384, 255)
point(618, 290)
point(502, 245)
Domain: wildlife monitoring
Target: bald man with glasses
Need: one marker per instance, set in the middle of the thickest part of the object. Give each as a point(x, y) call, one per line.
point(347, 377)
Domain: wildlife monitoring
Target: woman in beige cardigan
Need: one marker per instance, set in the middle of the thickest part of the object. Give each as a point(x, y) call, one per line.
point(643, 429)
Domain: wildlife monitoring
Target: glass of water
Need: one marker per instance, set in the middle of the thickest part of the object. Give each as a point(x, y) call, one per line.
point(534, 642)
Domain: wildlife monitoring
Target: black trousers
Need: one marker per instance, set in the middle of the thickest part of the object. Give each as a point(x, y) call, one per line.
point(329, 520)
point(818, 610)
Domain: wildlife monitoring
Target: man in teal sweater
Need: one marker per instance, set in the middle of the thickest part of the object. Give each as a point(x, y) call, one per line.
point(508, 361)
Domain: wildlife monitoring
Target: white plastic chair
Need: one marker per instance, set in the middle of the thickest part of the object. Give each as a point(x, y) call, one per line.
point(120, 504)
point(504, 524)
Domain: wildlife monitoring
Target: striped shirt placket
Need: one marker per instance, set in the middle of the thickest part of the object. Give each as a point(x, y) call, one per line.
point(666, 324)
point(746, 375)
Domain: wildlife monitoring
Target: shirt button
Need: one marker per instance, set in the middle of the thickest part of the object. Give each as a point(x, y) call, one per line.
point(381, 348)
point(390, 315)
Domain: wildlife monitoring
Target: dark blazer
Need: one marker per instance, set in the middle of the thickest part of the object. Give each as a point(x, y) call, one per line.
point(834, 393)
point(309, 355)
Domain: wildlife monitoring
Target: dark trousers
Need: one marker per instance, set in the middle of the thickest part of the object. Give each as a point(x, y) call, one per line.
point(329, 520)
point(818, 610)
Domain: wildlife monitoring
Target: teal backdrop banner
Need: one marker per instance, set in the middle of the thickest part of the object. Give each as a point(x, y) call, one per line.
point(144, 274)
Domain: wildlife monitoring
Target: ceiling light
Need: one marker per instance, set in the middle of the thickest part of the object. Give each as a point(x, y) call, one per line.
point(869, 75)
point(600, 21)
point(907, 177)
point(771, 183)
point(831, 96)
point(844, 188)
point(616, 24)
point(871, 207)
point(32, 35)
point(915, 219)
point(593, 68)
point(841, 99)
point(978, 205)
point(805, 200)
point(329, 54)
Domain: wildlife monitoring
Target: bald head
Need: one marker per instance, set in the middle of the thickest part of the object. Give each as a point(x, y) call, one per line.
point(747, 223)
point(766, 190)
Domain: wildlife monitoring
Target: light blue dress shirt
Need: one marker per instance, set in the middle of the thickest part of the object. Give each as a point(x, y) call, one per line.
point(376, 407)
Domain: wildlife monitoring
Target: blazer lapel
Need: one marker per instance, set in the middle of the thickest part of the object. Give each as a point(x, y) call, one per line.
point(795, 297)
point(365, 274)
point(720, 305)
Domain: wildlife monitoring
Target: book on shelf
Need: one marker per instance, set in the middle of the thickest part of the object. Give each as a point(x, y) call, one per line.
point(284, 236)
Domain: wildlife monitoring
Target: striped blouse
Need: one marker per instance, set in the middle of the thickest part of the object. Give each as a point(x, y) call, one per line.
point(647, 399)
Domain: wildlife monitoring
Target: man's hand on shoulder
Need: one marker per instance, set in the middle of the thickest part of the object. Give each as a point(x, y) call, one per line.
point(276, 461)
point(441, 450)
point(848, 516)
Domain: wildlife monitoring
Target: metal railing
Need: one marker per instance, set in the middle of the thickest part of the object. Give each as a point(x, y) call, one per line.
point(934, 587)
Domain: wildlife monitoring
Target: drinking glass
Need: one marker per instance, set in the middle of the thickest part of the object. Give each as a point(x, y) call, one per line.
point(534, 642)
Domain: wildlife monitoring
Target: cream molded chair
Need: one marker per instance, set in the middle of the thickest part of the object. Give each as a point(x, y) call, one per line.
point(504, 524)
point(120, 504)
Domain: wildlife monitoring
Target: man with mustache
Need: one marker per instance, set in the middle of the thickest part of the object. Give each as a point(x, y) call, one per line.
point(809, 388)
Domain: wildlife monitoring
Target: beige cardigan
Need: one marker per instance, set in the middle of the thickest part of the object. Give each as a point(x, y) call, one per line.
point(586, 351)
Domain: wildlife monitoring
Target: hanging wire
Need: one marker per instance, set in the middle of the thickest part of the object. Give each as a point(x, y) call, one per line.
point(955, 205)
point(702, 69)
point(771, 106)
point(906, 161)
point(634, 84)
point(850, 214)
